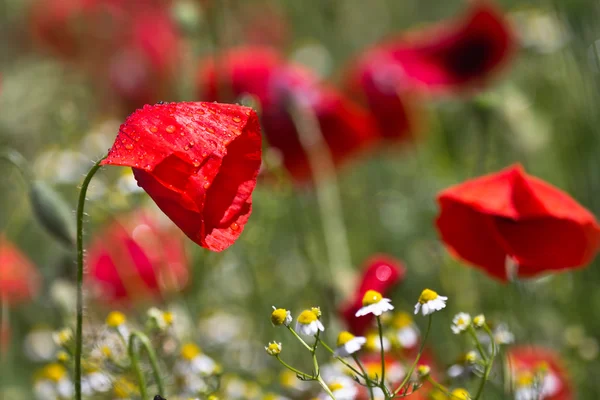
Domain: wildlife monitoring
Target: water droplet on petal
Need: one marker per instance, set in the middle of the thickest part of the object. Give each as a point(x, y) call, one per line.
point(170, 129)
point(206, 185)
point(236, 119)
point(153, 129)
point(211, 130)
point(129, 146)
point(234, 226)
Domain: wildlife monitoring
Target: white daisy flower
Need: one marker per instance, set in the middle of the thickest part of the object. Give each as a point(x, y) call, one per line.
point(117, 320)
point(194, 362)
point(53, 383)
point(308, 323)
point(160, 319)
point(430, 302)
point(407, 333)
point(374, 303)
point(460, 322)
point(281, 316)
point(479, 321)
point(348, 344)
point(502, 335)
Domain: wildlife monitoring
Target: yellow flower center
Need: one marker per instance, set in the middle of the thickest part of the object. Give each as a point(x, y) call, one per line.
point(373, 370)
point(316, 311)
point(115, 319)
point(54, 372)
point(402, 320)
point(460, 394)
point(343, 338)
point(423, 370)
point(278, 316)
point(123, 388)
point(335, 386)
point(307, 317)
point(168, 317)
point(62, 356)
point(427, 295)
point(287, 378)
point(525, 379)
point(64, 336)
point(274, 348)
point(106, 351)
point(189, 351)
point(371, 297)
point(460, 321)
point(372, 342)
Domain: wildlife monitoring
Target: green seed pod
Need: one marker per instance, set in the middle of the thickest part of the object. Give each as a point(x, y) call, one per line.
point(52, 212)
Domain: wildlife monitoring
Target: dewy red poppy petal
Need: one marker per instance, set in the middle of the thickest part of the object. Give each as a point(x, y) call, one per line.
point(198, 162)
point(511, 214)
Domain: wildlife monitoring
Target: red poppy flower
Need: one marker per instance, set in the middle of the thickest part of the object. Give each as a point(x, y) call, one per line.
point(539, 371)
point(381, 273)
point(450, 56)
point(346, 128)
point(198, 162)
point(135, 258)
point(511, 214)
point(19, 278)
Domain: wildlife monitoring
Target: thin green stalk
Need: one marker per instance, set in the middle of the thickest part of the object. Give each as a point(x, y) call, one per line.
point(382, 350)
point(414, 365)
point(482, 352)
point(304, 375)
point(79, 327)
point(314, 354)
point(17, 159)
point(299, 338)
point(366, 376)
point(439, 386)
point(328, 194)
point(325, 387)
point(145, 342)
point(489, 365)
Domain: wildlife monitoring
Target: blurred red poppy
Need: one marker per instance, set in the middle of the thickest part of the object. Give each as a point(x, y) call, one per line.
point(134, 45)
point(136, 258)
point(538, 373)
point(381, 273)
point(346, 128)
point(198, 162)
point(451, 56)
point(510, 215)
point(19, 278)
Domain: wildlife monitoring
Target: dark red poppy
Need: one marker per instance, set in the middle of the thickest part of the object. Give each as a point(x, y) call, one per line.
point(19, 278)
point(540, 371)
point(198, 162)
point(451, 56)
point(381, 273)
point(346, 128)
point(510, 215)
point(136, 258)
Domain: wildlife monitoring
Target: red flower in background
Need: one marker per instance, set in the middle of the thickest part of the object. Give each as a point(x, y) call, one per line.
point(511, 214)
point(198, 162)
point(450, 56)
point(136, 259)
point(19, 278)
point(346, 128)
point(381, 273)
point(134, 45)
point(541, 366)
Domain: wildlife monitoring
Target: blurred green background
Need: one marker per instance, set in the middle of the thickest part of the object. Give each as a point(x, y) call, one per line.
point(542, 112)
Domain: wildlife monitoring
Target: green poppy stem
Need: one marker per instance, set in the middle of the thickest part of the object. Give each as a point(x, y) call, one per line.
point(135, 362)
point(79, 327)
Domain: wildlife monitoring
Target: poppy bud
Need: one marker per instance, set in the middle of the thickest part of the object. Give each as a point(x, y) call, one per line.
point(52, 212)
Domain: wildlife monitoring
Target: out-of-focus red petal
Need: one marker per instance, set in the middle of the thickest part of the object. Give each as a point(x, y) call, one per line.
point(134, 259)
point(198, 162)
point(381, 273)
point(532, 358)
point(346, 127)
point(19, 278)
point(510, 213)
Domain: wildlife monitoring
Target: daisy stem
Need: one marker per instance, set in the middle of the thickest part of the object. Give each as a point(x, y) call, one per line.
point(325, 387)
point(329, 349)
point(143, 339)
point(79, 327)
point(414, 365)
point(489, 365)
point(380, 329)
point(439, 386)
point(299, 338)
point(314, 354)
point(294, 370)
point(477, 343)
point(366, 377)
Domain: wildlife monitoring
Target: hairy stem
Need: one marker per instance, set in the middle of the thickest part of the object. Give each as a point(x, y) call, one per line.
point(135, 362)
